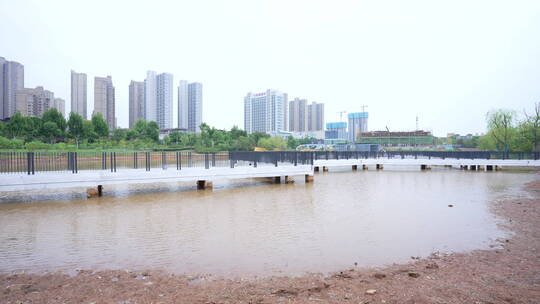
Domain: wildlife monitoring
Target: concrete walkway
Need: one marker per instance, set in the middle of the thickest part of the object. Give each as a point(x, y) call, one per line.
point(55, 180)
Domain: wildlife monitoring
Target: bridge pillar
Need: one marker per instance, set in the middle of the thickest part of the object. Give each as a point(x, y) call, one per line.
point(308, 178)
point(489, 168)
point(354, 167)
point(379, 166)
point(316, 169)
point(289, 180)
point(277, 180)
point(425, 167)
point(364, 167)
point(204, 184)
point(473, 167)
point(325, 169)
point(93, 192)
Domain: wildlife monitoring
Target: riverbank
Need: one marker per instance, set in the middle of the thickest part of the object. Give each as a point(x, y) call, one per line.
point(508, 273)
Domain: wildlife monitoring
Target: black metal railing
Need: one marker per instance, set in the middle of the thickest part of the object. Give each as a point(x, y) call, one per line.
point(40, 161)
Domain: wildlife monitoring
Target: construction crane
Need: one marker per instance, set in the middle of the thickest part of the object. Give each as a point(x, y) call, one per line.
point(341, 115)
point(363, 107)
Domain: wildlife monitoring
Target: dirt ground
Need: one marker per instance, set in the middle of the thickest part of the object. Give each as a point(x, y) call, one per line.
point(508, 273)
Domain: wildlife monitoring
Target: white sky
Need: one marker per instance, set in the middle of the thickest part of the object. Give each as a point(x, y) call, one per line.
point(449, 62)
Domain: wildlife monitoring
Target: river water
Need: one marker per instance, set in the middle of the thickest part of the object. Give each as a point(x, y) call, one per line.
point(371, 218)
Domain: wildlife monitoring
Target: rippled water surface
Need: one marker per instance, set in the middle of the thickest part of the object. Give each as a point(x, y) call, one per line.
point(371, 218)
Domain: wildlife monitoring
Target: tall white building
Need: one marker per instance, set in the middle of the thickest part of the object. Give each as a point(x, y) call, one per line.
point(183, 104)
point(79, 94)
point(11, 79)
point(265, 112)
point(164, 100)
point(136, 102)
point(60, 105)
point(158, 99)
point(150, 98)
point(190, 106)
point(104, 100)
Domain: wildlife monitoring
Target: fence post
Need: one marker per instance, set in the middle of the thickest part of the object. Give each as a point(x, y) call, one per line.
point(206, 162)
point(76, 162)
point(147, 161)
point(114, 161)
point(231, 159)
point(190, 160)
point(135, 161)
point(28, 165)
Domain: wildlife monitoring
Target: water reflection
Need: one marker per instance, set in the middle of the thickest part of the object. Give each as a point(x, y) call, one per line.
point(371, 218)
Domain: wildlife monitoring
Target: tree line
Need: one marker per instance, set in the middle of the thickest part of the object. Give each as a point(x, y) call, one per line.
point(53, 131)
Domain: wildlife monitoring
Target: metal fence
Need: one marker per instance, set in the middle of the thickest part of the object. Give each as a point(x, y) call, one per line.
point(32, 162)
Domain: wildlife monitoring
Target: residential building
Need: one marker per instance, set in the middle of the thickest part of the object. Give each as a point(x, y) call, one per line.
point(397, 138)
point(11, 79)
point(79, 94)
point(164, 106)
point(158, 98)
point(104, 100)
point(190, 106)
point(33, 102)
point(358, 123)
point(298, 115)
point(60, 105)
point(265, 112)
point(150, 112)
point(183, 104)
point(194, 107)
point(336, 131)
point(315, 116)
point(136, 102)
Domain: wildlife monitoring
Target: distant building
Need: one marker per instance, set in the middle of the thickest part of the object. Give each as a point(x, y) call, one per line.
point(336, 130)
point(358, 123)
point(298, 115)
point(136, 102)
point(104, 100)
point(79, 94)
point(34, 102)
point(315, 116)
point(60, 105)
point(150, 97)
point(304, 117)
point(158, 98)
point(190, 106)
point(11, 79)
point(164, 105)
point(265, 112)
point(385, 138)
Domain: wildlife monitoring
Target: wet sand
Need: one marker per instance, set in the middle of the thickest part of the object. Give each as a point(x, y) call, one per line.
point(507, 273)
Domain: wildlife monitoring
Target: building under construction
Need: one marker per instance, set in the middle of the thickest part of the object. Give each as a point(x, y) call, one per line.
point(387, 138)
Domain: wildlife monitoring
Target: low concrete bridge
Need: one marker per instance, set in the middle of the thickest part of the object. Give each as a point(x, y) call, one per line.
point(425, 163)
point(204, 178)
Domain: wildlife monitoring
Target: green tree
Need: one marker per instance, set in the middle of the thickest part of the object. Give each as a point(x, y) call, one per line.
point(50, 131)
point(75, 126)
point(175, 137)
point(531, 127)
point(119, 134)
point(501, 128)
point(152, 131)
point(53, 115)
point(88, 131)
point(15, 126)
point(100, 125)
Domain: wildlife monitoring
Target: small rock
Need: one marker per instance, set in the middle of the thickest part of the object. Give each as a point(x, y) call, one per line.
point(379, 276)
point(450, 205)
point(414, 274)
point(432, 266)
point(371, 291)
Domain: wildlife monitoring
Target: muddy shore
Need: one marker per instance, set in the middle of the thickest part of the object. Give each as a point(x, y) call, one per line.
point(508, 273)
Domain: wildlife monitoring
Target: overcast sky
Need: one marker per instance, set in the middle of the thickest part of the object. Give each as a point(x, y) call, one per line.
point(449, 62)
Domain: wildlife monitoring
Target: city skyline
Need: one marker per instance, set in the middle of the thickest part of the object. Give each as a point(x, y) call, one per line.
point(401, 61)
